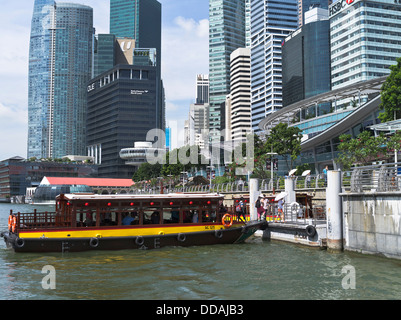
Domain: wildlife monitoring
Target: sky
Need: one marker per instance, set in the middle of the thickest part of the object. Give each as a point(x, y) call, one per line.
point(185, 54)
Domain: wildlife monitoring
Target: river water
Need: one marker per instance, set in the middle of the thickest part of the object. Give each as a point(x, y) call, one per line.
point(256, 270)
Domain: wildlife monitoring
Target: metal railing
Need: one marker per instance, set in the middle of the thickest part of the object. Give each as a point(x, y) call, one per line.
point(376, 178)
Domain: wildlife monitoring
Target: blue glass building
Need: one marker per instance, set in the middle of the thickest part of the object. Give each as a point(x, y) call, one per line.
point(306, 62)
point(226, 34)
point(60, 65)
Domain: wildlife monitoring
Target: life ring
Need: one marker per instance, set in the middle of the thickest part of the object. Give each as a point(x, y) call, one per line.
point(94, 242)
point(295, 208)
point(181, 237)
point(225, 223)
point(310, 231)
point(218, 234)
point(10, 222)
point(139, 241)
point(14, 224)
point(19, 243)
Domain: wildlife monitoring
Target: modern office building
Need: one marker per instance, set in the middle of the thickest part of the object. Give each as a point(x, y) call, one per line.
point(104, 55)
point(365, 39)
point(364, 43)
point(198, 125)
point(306, 61)
point(271, 23)
point(226, 34)
point(306, 5)
point(139, 20)
point(238, 108)
point(122, 108)
point(202, 88)
point(60, 65)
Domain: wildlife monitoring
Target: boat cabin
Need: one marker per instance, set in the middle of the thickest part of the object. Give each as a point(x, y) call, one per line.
point(90, 210)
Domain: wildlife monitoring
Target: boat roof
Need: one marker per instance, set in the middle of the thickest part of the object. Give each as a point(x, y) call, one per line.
point(100, 197)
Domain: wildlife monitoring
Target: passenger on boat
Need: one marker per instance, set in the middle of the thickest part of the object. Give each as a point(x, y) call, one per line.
point(155, 217)
point(127, 220)
point(89, 219)
point(241, 210)
point(195, 217)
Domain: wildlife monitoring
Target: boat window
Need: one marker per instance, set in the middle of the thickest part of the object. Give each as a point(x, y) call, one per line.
point(171, 215)
point(151, 216)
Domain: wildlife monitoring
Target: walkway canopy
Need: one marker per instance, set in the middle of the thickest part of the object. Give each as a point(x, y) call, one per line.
point(286, 114)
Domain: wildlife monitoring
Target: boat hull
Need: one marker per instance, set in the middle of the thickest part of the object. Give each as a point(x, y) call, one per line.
point(183, 239)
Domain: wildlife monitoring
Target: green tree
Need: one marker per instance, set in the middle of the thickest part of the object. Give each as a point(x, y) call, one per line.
point(361, 150)
point(391, 94)
point(285, 141)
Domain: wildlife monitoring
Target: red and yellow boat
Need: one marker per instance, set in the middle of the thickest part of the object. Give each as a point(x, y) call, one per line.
point(84, 222)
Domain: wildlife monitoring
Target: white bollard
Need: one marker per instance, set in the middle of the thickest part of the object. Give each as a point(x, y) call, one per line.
point(253, 196)
point(290, 189)
point(334, 214)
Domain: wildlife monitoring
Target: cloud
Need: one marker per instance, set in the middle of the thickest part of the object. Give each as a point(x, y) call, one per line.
point(13, 137)
point(185, 53)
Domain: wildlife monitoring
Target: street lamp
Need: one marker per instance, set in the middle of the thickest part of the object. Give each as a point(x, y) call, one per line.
point(169, 182)
point(210, 177)
point(271, 154)
point(183, 179)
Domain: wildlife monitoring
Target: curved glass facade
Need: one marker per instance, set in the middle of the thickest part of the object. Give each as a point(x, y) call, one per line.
point(60, 64)
point(48, 193)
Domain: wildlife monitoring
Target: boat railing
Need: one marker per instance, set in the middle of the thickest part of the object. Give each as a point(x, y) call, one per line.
point(40, 220)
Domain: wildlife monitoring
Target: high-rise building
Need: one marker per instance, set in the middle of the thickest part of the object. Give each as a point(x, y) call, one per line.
point(271, 22)
point(306, 5)
point(238, 108)
point(60, 66)
point(226, 34)
point(139, 20)
point(202, 88)
point(365, 40)
point(121, 111)
point(306, 60)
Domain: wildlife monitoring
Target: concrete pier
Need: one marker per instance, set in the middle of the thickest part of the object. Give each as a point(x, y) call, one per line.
point(334, 212)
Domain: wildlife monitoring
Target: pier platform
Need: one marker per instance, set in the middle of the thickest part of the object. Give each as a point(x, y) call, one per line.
point(310, 233)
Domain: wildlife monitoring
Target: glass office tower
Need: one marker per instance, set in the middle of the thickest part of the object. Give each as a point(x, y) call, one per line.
point(365, 40)
point(306, 62)
point(226, 34)
point(137, 19)
point(271, 22)
point(60, 65)
point(141, 20)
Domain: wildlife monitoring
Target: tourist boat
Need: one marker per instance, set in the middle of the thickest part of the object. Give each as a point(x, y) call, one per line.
point(83, 222)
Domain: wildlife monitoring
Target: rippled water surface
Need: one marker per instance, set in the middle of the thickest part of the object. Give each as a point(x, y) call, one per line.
point(256, 270)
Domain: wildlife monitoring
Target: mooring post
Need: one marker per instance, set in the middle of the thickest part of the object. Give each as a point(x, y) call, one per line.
point(290, 189)
point(253, 196)
point(334, 212)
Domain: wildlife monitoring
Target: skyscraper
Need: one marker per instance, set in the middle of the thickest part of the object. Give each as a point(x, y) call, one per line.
point(202, 88)
point(306, 5)
point(271, 22)
point(137, 19)
point(226, 34)
point(60, 66)
point(141, 20)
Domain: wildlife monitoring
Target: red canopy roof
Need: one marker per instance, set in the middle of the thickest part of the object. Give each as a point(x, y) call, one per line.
point(92, 182)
